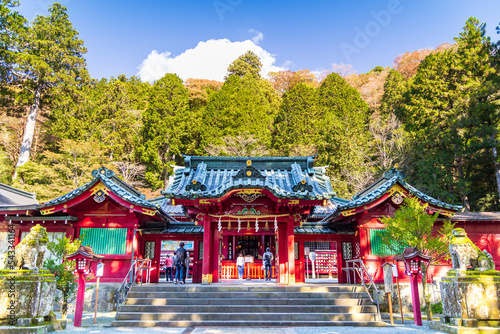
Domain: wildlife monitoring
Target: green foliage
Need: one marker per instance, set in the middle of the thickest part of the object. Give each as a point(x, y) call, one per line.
point(343, 141)
point(412, 225)
point(167, 129)
point(63, 270)
point(451, 114)
point(297, 121)
point(243, 105)
point(249, 63)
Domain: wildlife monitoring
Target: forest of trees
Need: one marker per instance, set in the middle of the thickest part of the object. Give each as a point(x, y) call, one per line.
point(434, 113)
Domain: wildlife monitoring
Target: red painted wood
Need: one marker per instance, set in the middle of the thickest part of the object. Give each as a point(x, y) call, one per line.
point(80, 296)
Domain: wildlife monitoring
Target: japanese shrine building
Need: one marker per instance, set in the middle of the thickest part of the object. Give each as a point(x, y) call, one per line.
point(221, 207)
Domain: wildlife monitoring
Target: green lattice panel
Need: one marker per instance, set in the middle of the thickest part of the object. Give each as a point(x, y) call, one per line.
point(381, 249)
point(105, 240)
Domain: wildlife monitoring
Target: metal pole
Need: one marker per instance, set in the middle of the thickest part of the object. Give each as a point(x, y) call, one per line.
point(96, 299)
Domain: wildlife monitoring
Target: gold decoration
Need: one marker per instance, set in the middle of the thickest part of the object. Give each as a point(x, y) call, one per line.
point(396, 188)
point(303, 181)
point(249, 195)
point(99, 186)
point(131, 206)
point(206, 279)
point(149, 212)
point(194, 181)
point(204, 201)
point(291, 279)
point(65, 206)
point(47, 211)
point(293, 202)
point(249, 173)
point(173, 201)
point(249, 163)
point(396, 166)
point(348, 212)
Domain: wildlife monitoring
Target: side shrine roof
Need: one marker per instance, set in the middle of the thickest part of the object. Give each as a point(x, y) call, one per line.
point(10, 196)
point(113, 183)
point(212, 177)
point(384, 184)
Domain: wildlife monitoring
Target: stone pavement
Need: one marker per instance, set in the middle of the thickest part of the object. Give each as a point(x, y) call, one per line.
point(104, 321)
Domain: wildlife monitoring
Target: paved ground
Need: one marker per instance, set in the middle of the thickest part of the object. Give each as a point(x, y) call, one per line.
point(104, 321)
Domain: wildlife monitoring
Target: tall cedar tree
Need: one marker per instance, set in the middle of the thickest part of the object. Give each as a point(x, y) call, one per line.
point(12, 27)
point(413, 226)
point(249, 63)
point(167, 129)
point(51, 56)
point(343, 141)
point(244, 105)
point(452, 117)
point(296, 124)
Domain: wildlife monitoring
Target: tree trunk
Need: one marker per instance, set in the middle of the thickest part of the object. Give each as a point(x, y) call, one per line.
point(495, 161)
point(427, 297)
point(64, 308)
point(29, 130)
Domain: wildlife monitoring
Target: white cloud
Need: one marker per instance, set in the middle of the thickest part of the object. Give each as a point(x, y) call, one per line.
point(258, 36)
point(208, 60)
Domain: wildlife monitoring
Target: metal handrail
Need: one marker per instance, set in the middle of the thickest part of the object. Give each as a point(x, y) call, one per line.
point(360, 268)
point(137, 266)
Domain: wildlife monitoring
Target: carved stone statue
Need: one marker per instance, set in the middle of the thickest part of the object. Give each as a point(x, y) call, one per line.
point(465, 253)
point(30, 252)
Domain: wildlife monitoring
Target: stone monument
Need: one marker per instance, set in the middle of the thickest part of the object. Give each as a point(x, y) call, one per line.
point(27, 290)
point(470, 292)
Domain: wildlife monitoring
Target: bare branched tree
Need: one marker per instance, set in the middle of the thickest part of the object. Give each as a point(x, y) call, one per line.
point(132, 173)
point(389, 143)
point(243, 145)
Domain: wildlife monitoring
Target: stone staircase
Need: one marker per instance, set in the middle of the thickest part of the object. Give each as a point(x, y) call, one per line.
point(244, 306)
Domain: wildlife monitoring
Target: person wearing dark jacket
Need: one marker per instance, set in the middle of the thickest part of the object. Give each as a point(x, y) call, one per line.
point(180, 264)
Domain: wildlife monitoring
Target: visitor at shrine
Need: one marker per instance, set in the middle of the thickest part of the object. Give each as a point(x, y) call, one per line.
point(186, 264)
point(240, 263)
point(180, 265)
point(169, 262)
point(267, 259)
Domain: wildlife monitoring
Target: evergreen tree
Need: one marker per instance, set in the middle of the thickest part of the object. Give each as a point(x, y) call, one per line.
point(249, 63)
point(344, 139)
point(296, 124)
point(166, 131)
point(244, 105)
point(452, 117)
point(51, 56)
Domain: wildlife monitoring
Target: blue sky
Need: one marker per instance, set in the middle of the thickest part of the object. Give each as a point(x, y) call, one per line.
point(149, 38)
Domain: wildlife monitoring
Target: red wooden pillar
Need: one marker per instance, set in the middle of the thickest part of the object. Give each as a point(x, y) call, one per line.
point(291, 251)
point(283, 253)
point(207, 251)
point(214, 254)
point(341, 273)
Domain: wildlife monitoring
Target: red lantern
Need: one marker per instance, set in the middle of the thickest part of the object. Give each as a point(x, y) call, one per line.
point(83, 258)
point(413, 259)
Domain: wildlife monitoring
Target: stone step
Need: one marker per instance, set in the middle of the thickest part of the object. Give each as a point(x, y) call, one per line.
point(249, 301)
point(140, 316)
point(241, 295)
point(235, 323)
point(270, 288)
point(248, 309)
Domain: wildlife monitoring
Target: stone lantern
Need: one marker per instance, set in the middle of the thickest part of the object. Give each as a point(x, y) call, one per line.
point(413, 259)
point(83, 257)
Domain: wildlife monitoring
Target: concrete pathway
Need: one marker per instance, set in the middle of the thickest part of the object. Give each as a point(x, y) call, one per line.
point(104, 322)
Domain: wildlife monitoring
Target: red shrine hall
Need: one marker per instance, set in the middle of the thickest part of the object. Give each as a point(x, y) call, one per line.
point(221, 207)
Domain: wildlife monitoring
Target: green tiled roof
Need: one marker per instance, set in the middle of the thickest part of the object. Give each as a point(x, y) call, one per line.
point(212, 177)
point(112, 182)
point(385, 183)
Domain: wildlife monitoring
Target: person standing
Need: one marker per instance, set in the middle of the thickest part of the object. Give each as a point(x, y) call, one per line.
point(267, 258)
point(240, 264)
point(180, 265)
point(169, 262)
point(186, 270)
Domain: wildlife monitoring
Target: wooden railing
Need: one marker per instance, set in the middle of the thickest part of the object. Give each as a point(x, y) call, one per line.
point(230, 271)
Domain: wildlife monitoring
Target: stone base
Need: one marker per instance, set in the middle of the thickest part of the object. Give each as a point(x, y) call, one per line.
point(59, 325)
point(447, 328)
point(475, 296)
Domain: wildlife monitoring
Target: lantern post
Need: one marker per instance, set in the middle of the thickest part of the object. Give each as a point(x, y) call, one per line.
point(413, 259)
point(83, 258)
